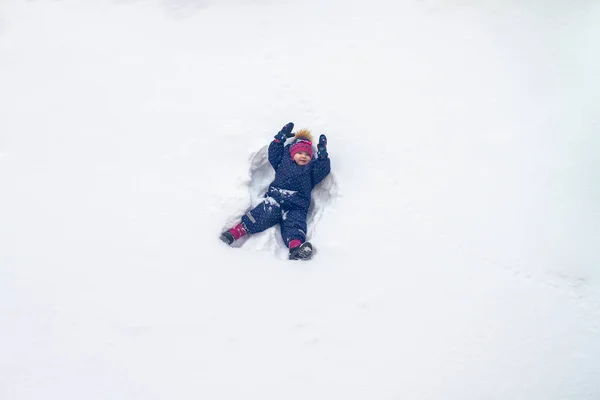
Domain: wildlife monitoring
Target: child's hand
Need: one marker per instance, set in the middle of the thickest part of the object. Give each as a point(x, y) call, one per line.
point(322, 146)
point(285, 132)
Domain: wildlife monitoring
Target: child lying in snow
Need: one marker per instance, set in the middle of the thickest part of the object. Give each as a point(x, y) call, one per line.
point(288, 196)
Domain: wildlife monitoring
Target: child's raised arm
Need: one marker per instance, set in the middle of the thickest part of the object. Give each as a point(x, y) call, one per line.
point(276, 146)
point(321, 167)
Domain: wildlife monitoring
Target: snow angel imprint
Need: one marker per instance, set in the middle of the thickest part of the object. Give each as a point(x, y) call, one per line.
point(287, 199)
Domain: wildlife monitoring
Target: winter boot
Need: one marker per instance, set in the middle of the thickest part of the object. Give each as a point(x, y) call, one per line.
point(233, 234)
point(302, 252)
point(227, 237)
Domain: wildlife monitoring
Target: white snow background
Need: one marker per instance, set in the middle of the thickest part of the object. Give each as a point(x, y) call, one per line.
point(457, 249)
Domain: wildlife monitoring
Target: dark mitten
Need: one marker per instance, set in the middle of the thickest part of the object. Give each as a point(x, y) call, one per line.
point(322, 147)
point(285, 133)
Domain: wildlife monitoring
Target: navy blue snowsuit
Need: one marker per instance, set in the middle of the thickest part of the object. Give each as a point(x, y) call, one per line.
point(288, 196)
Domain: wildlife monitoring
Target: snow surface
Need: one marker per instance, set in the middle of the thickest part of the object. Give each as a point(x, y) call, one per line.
point(456, 244)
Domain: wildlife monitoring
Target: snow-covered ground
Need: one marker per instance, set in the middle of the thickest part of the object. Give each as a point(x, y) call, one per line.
point(457, 236)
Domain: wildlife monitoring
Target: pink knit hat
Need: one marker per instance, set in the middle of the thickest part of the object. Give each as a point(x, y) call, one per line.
point(301, 145)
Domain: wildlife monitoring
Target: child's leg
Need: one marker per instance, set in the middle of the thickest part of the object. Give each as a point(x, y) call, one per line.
point(263, 216)
point(293, 228)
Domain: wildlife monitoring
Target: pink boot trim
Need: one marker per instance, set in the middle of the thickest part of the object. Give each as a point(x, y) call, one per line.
point(295, 243)
point(237, 231)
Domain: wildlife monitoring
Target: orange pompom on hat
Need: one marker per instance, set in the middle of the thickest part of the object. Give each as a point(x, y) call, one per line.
point(303, 142)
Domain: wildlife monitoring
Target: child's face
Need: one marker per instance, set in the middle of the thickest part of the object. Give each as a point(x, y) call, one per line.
point(302, 158)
